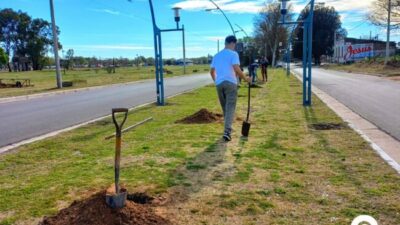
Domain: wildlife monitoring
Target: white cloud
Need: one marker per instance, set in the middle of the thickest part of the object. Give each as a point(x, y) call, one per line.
point(111, 47)
point(350, 5)
point(339, 5)
point(108, 11)
point(229, 6)
point(214, 38)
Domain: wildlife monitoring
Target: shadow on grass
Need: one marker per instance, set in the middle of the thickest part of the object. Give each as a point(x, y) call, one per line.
point(197, 172)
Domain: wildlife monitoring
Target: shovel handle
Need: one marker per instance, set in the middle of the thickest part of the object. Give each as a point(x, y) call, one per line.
point(248, 104)
point(118, 126)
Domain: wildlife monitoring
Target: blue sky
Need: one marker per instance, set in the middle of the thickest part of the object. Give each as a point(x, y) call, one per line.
point(118, 28)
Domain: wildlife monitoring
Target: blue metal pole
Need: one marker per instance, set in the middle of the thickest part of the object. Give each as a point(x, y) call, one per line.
point(157, 58)
point(305, 32)
point(310, 43)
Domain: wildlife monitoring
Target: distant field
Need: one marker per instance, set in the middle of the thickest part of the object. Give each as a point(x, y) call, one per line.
point(45, 80)
point(371, 67)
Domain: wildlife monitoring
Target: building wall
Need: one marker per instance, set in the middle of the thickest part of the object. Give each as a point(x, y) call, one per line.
point(352, 50)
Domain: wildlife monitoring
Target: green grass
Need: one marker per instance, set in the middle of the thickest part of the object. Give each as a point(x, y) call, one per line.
point(45, 80)
point(285, 173)
point(373, 66)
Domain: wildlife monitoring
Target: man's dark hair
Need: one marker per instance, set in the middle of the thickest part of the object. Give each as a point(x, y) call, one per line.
point(230, 39)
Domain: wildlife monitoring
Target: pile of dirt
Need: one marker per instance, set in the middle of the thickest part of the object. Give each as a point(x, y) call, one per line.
point(94, 210)
point(327, 126)
point(202, 116)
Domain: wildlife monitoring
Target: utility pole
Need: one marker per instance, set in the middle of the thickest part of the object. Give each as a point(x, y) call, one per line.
point(217, 45)
point(55, 45)
point(184, 49)
point(388, 33)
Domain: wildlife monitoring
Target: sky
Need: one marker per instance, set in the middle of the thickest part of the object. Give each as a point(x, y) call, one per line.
point(119, 28)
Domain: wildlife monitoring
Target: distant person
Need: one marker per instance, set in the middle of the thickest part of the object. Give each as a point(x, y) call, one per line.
point(253, 71)
point(264, 69)
point(224, 68)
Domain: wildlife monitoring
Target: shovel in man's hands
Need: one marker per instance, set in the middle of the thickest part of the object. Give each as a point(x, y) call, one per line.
point(246, 124)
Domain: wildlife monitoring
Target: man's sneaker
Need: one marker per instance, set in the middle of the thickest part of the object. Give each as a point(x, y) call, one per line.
point(227, 137)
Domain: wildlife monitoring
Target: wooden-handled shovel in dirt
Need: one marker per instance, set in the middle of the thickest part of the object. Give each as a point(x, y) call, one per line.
point(246, 124)
point(117, 199)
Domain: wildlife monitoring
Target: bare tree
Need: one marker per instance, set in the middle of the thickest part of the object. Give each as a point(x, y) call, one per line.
point(386, 13)
point(378, 14)
point(268, 32)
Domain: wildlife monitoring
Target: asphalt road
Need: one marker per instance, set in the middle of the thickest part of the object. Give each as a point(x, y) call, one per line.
point(26, 119)
point(374, 98)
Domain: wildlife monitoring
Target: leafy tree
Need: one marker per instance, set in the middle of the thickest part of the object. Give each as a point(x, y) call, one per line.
point(250, 51)
point(9, 22)
point(69, 59)
point(150, 61)
point(79, 60)
point(37, 42)
point(379, 12)
point(326, 24)
point(3, 58)
point(23, 37)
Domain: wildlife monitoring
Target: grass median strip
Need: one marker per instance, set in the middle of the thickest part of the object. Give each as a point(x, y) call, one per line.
point(285, 173)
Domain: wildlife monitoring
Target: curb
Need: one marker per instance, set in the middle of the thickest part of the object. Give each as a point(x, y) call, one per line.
point(52, 93)
point(61, 92)
point(383, 144)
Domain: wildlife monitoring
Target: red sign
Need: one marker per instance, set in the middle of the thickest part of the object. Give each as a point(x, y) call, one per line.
point(358, 51)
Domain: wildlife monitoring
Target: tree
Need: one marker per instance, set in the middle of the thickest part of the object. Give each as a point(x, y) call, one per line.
point(36, 43)
point(69, 59)
point(23, 37)
point(150, 61)
point(3, 58)
point(268, 32)
point(378, 14)
point(11, 25)
point(326, 24)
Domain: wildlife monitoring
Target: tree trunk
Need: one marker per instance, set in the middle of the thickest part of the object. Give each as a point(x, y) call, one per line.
point(9, 67)
point(274, 55)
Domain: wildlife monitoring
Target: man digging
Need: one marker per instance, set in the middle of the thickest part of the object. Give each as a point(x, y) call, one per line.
point(224, 68)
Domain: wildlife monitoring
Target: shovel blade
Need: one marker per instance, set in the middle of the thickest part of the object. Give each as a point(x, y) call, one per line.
point(245, 129)
point(116, 200)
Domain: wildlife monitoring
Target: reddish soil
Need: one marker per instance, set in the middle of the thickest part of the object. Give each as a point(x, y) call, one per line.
point(202, 116)
point(95, 211)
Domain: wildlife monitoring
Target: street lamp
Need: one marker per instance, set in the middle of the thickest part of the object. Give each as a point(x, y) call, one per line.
point(307, 47)
point(284, 7)
point(158, 50)
point(177, 20)
point(177, 16)
point(223, 13)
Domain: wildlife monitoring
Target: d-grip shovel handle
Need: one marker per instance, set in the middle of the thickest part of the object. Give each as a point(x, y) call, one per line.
point(118, 132)
point(118, 127)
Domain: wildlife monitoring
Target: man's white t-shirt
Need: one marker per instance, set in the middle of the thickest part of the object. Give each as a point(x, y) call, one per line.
point(223, 63)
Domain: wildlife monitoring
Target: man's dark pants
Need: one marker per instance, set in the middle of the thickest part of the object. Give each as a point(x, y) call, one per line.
point(227, 94)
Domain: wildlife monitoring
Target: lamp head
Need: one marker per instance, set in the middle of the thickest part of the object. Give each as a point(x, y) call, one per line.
point(284, 7)
point(176, 14)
